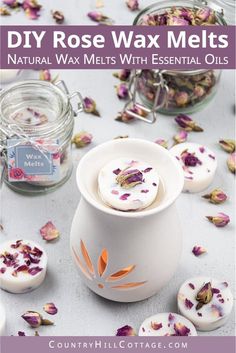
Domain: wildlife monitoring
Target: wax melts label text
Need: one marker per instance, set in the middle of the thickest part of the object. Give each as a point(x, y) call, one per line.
point(32, 163)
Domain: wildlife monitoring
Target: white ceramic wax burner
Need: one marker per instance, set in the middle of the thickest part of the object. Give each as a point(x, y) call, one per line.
point(127, 256)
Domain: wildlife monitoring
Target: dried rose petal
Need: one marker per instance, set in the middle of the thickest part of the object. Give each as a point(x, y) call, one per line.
point(82, 139)
point(124, 197)
point(122, 91)
point(204, 295)
point(217, 196)
point(125, 331)
point(49, 231)
point(181, 330)
point(162, 143)
point(11, 3)
point(191, 285)
point(58, 16)
point(231, 162)
point(228, 145)
point(198, 250)
point(221, 220)
point(155, 326)
point(45, 75)
point(189, 159)
point(50, 309)
point(21, 333)
point(188, 303)
point(33, 271)
point(187, 123)
point(181, 136)
point(122, 75)
point(4, 12)
point(133, 5)
point(90, 106)
point(32, 9)
point(33, 318)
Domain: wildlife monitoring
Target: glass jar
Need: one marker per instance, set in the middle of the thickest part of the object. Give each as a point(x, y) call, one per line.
point(174, 91)
point(36, 127)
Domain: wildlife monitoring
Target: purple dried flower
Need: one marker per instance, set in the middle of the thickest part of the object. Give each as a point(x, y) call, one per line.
point(33, 318)
point(128, 178)
point(188, 304)
point(49, 231)
point(50, 309)
point(31, 8)
point(185, 122)
point(11, 3)
point(82, 139)
point(45, 75)
point(199, 91)
point(122, 75)
point(21, 333)
point(122, 91)
point(33, 271)
point(181, 136)
point(176, 21)
point(124, 197)
point(125, 331)
point(204, 13)
point(204, 296)
point(90, 106)
point(221, 220)
point(198, 250)
point(133, 5)
point(58, 16)
point(217, 196)
point(231, 162)
point(97, 16)
point(228, 145)
point(181, 330)
point(156, 326)
point(189, 159)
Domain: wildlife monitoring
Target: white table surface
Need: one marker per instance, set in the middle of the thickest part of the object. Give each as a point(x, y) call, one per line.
point(80, 311)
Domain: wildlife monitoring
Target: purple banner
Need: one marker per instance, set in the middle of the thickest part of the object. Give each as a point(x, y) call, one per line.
point(109, 47)
point(117, 344)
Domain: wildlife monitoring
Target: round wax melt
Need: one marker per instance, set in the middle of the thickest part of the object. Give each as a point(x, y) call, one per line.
point(218, 304)
point(2, 320)
point(167, 324)
point(128, 185)
point(198, 163)
point(23, 265)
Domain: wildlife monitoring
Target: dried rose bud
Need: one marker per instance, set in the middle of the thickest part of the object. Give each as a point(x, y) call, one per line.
point(221, 220)
point(49, 231)
point(11, 3)
point(82, 139)
point(181, 98)
point(198, 250)
point(204, 13)
point(199, 91)
point(122, 75)
point(133, 5)
point(189, 159)
point(31, 8)
point(162, 143)
point(187, 123)
point(181, 330)
point(33, 318)
point(217, 196)
point(4, 12)
point(125, 331)
point(204, 296)
point(181, 137)
point(124, 117)
point(97, 16)
point(129, 178)
point(21, 333)
point(176, 21)
point(50, 309)
point(45, 75)
point(58, 16)
point(122, 91)
point(90, 106)
point(231, 162)
point(228, 145)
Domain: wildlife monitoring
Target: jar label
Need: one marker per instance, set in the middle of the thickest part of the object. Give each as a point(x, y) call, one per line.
point(34, 161)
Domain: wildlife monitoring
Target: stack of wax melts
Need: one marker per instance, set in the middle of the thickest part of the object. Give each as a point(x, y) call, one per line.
point(199, 165)
point(23, 266)
point(206, 302)
point(128, 185)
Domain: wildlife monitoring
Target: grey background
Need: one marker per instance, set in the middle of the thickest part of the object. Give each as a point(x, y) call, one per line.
point(80, 311)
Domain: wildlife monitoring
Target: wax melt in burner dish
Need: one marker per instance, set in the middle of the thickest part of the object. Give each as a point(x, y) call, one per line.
point(167, 324)
point(126, 256)
point(128, 184)
point(206, 302)
point(23, 265)
point(2, 320)
point(199, 165)
point(175, 91)
point(37, 121)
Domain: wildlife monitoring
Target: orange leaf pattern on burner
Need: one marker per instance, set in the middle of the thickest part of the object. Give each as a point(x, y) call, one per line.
point(121, 273)
point(102, 262)
point(87, 258)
